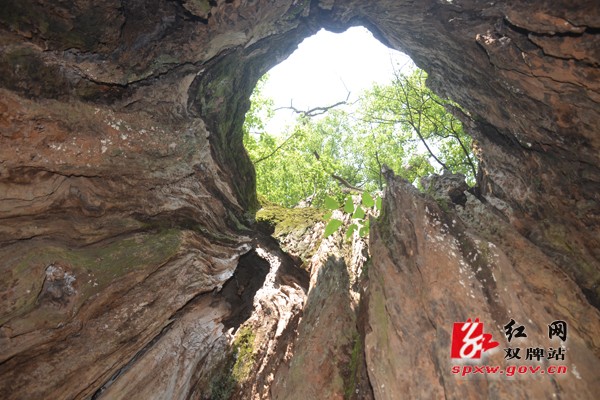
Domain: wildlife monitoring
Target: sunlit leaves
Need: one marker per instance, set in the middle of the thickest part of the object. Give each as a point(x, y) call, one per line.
point(416, 120)
point(331, 203)
point(364, 230)
point(332, 226)
point(350, 231)
point(359, 213)
point(349, 205)
point(402, 125)
point(359, 217)
point(367, 200)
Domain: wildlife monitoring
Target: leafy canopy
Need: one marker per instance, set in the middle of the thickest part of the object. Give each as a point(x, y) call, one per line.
point(402, 125)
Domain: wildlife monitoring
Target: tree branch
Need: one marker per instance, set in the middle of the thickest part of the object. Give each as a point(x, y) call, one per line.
point(464, 149)
point(379, 176)
point(345, 183)
point(276, 149)
point(416, 126)
point(316, 110)
point(338, 178)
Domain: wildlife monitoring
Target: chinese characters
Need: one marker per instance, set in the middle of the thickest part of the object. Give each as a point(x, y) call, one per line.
point(512, 330)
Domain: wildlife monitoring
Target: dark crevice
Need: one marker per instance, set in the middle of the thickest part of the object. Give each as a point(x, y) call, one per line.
point(239, 290)
point(193, 17)
point(505, 141)
point(526, 32)
point(591, 295)
point(592, 31)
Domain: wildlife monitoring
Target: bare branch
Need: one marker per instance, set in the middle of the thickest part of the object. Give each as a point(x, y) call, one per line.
point(345, 183)
point(313, 112)
point(464, 149)
point(338, 178)
point(276, 149)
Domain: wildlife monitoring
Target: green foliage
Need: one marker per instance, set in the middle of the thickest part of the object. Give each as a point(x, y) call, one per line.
point(351, 229)
point(378, 204)
point(238, 366)
point(286, 168)
point(332, 226)
point(412, 117)
point(244, 357)
point(402, 125)
point(367, 200)
point(222, 387)
point(364, 230)
point(331, 204)
point(358, 215)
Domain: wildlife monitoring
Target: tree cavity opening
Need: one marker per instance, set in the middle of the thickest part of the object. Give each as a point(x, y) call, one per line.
point(339, 114)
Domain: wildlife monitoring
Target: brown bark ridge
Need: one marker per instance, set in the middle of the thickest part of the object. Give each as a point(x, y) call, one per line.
point(439, 262)
point(131, 266)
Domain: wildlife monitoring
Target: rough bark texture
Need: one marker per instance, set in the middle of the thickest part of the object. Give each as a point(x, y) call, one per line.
point(130, 264)
point(326, 356)
point(464, 260)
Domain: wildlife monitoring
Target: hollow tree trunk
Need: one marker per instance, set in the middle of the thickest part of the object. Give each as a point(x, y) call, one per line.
point(128, 250)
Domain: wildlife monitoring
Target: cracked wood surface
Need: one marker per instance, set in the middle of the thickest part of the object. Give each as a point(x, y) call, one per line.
point(121, 164)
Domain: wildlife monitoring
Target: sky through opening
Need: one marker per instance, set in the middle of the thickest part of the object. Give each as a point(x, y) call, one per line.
point(325, 67)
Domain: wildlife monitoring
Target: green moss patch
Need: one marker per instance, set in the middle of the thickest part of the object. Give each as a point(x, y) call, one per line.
point(244, 357)
point(286, 220)
point(356, 358)
point(94, 267)
point(239, 366)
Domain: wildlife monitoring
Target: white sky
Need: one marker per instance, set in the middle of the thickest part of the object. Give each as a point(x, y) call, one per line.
point(325, 67)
